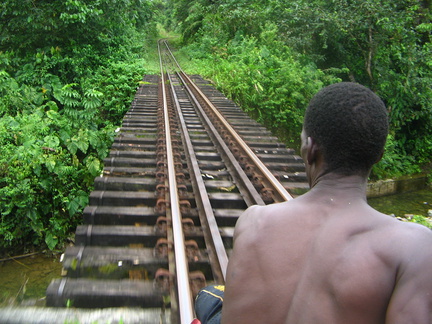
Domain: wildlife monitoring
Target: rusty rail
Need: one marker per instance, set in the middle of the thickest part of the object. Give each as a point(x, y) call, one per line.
point(270, 185)
point(181, 264)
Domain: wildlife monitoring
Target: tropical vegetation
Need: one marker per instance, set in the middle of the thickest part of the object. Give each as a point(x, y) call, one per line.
point(271, 56)
point(68, 71)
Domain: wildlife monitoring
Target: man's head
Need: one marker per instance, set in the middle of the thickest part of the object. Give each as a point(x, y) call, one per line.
point(349, 124)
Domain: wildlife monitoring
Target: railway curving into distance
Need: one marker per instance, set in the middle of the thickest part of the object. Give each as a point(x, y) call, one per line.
point(159, 225)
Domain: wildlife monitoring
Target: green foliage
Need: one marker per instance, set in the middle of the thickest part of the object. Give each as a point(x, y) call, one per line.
point(394, 162)
point(52, 141)
point(47, 167)
point(99, 25)
point(272, 69)
point(385, 45)
point(66, 79)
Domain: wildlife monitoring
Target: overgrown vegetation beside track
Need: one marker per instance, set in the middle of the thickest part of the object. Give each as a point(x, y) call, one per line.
point(272, 56)
point(68, 71)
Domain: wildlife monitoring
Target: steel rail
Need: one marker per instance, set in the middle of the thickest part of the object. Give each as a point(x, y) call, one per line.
point(201, 196)
point(245, 186)
point(283, 195)
point(182, 272)
point(248, 191)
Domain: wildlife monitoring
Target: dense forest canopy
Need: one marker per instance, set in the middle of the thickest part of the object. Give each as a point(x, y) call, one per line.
point(272, 55)
point(69, 68)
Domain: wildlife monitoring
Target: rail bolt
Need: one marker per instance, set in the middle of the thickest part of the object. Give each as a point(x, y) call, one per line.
point(243, 160)
point(188, 225)
point(178, 166)
point(163, 246)
point(234, 149)
point(197, 282)
point(161, 148)
point(161, 164)
point(185, 206)
point(163, 280)
point(182, 191)
point(192, 251)
point(161, 190)
point(161, 206)
point(181, 177)
point(161, 141)
point(161, 225)
point(267, 195)
point(257, 180)
point(250, 168)
point(160, 176)
point(176, 155)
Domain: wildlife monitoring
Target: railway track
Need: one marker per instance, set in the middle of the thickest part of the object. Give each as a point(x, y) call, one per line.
point(159, 225)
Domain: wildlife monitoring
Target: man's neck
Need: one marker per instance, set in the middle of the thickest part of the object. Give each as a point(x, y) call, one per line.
point(343, 187)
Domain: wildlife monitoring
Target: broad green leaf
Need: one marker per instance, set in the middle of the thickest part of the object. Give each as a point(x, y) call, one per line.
point(51, 141)
point(93, 165)
point(51, 241)
point(50, 164)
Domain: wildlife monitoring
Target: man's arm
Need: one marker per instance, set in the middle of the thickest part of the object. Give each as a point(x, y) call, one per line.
point(238, 268)
point(411, 301)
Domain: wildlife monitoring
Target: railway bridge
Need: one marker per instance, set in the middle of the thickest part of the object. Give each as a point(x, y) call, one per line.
point(159, 225)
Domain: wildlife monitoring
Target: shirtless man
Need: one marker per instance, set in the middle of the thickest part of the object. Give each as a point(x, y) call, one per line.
point(327, 257)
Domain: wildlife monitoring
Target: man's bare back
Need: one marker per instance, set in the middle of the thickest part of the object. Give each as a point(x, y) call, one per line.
point(342, 262)
point(327, 257)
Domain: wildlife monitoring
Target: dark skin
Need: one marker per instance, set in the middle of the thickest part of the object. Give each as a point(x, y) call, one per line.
point(327, 257)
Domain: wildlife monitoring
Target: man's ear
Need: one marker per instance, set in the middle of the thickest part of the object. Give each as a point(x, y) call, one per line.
point(312, 150)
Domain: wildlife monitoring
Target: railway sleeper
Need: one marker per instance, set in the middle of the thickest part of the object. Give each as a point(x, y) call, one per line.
point(119, 215)
point(124, 183)
point(88, 293)
point(129, 162)
point(112, 262)
point(271, 157)
point(278, 150)
point(146, 121)
point(122, 198)
point(286, 167)
point(131, 139)
point(211, 165)
point(122, 262)
point(116, 235)
point(264, 143)
point(290, 176)
point(129, 125)
point(124, 215)
point(121, 236)
point(134, 146)
point(133, 154)
point(128, 171)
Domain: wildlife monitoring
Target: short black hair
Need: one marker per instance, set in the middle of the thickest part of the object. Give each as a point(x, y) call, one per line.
point(350, 124)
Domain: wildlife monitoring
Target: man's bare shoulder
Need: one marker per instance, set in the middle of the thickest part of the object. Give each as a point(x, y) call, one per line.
point(270, 212)
point(414, 238)
point(411, 301)
point(259, 216)
point(409, 235)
